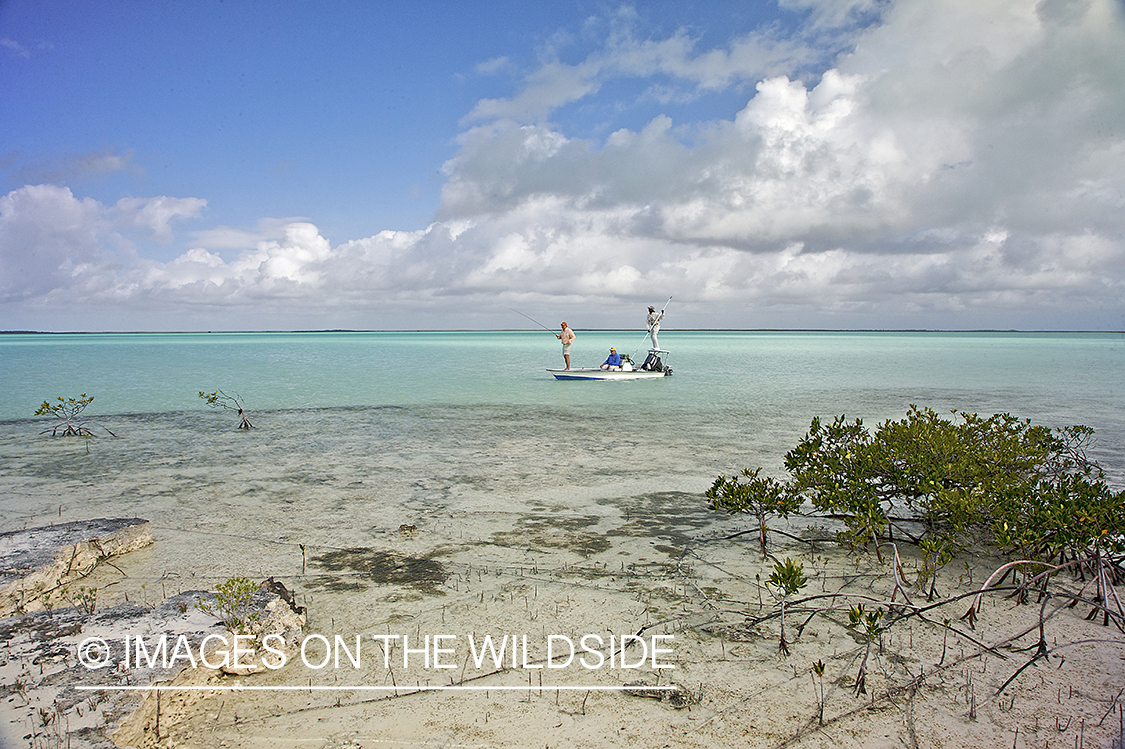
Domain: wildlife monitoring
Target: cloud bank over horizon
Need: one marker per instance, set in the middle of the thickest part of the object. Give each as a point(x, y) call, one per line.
point(953, 164)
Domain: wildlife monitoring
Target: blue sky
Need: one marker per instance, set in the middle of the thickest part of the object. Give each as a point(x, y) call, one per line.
point(796, 164)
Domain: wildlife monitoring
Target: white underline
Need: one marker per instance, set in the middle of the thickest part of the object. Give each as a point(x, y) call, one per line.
point(402, 687)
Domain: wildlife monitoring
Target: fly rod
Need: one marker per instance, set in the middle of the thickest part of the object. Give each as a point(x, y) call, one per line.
point(534, 321)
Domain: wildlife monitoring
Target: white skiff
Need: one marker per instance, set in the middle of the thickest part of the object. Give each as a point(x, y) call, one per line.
point(653, 368)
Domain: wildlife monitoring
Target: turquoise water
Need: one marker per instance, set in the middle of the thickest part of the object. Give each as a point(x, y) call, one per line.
point(358, 433)
point(1042, 375)
point(724, 381)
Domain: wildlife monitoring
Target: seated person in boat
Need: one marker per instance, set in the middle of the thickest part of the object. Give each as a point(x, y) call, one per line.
point(614, 360)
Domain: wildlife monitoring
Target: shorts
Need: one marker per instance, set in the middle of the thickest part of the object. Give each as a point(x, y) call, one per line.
point(566, 349)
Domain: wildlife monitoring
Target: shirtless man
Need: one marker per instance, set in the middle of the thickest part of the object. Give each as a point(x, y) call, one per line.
point(567, 338)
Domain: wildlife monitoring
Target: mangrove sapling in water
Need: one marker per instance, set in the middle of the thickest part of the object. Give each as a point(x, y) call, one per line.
point(787, 578)
point(67, 413)
point(219, 399)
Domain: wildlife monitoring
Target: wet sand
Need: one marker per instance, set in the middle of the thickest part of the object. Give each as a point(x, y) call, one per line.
point(664, 566)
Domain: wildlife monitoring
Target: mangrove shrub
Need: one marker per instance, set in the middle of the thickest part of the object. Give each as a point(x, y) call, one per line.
point(943, 482)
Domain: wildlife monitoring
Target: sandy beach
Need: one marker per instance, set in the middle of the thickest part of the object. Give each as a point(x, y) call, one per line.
point(668, 568)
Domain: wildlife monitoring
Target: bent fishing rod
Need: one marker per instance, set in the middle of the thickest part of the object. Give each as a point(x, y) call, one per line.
point(552, 332)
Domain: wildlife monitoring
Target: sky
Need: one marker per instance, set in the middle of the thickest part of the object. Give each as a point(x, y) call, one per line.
point(794, 164)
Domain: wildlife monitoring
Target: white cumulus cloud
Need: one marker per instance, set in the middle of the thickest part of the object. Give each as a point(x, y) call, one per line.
point(156, 214)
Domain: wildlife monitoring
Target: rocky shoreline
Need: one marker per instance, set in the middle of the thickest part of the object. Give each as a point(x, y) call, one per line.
point(76, 676)
point(37, 564)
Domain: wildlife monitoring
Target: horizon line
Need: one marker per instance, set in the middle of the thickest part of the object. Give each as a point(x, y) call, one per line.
point(532, 330)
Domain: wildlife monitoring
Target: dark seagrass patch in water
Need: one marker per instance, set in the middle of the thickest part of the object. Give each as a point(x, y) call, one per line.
point(383, 567)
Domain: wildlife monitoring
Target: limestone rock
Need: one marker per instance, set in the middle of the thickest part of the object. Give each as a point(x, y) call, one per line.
point(36, 562)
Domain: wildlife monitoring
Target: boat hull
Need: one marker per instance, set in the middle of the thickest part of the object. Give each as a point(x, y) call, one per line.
point(605, 374)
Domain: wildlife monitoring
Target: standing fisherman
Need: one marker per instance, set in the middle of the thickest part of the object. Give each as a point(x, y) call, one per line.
point(654, 319)
point(567, 338)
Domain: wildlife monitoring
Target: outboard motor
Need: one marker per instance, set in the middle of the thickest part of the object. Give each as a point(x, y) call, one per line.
point(653, 364)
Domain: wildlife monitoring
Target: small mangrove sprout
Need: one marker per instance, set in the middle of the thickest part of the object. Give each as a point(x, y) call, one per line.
point(865, 626)
point(219, 399)
point(818, 673)
point(82, 598)
point(787, 578)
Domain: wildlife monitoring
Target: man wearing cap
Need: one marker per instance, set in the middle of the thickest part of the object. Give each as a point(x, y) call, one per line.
point(654, 319)
point(567, 338)
point(614, 360)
